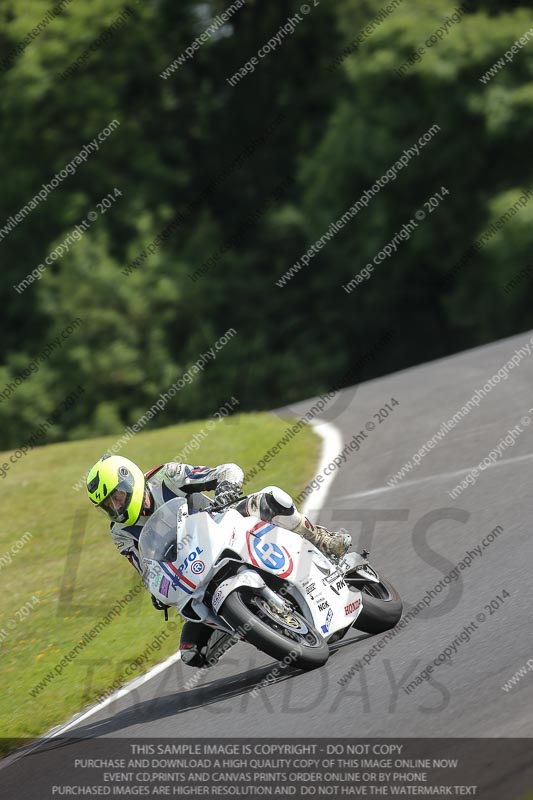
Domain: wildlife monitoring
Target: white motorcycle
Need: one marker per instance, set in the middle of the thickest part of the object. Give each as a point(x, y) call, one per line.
point(259, 583)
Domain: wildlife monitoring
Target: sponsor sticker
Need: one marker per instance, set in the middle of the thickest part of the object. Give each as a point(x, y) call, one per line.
point(333, 577)
point(190, 558)
point(164, 586)
point(268, 554)
point(325, 627)
point(351, 607)
point(197, 567)
point(217, 597)
point(338, 586)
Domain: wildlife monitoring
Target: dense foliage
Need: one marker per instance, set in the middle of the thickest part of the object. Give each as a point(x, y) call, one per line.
point(224, 188)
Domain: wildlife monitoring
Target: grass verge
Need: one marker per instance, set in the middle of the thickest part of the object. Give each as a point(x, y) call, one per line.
point(67, 575)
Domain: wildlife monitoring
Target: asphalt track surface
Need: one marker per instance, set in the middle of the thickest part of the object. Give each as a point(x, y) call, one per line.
point(416, 534)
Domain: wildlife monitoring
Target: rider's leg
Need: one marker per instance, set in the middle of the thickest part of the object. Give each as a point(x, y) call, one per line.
point(202, 646)
point(272, 504)
point(194, 638)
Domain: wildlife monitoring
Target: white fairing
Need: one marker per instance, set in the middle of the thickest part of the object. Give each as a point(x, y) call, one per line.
point(310, 578)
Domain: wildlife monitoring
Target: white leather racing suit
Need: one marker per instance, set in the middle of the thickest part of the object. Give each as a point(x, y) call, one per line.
point(173, 479)
point(164, 483)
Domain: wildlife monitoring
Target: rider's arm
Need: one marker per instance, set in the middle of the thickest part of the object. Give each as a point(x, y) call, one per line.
point(127, 546)
point(189, 479)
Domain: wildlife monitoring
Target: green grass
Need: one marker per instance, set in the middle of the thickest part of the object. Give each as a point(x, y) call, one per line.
point(74, 569)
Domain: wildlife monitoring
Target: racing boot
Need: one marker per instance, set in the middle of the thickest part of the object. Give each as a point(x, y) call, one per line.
point(191, 655)
point(329, 543)
point(194, 638)
point(272, 504)
point(202, 646)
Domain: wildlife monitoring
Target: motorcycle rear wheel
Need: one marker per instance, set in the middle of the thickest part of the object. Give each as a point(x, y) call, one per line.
point(382, 605)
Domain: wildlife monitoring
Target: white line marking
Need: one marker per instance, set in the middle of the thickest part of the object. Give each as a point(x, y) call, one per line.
point(331, 446)
point(83, 715)
point(122, 692)
point(441, 476)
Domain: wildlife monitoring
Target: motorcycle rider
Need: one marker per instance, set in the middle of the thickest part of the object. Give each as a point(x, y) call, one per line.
point(128, 497)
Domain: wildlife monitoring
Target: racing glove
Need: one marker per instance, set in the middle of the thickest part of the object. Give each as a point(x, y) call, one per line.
point(227, 492)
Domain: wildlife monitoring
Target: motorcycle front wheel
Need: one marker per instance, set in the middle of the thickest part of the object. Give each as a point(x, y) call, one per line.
point(284, 635)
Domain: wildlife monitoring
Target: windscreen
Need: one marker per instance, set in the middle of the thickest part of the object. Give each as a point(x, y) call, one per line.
point(158, 540)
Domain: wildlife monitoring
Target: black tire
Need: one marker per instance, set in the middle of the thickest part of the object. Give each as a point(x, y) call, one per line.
point(382, 606)
point(246, 610)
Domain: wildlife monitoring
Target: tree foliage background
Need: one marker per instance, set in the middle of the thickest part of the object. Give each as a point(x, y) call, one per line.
point(250, 177)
